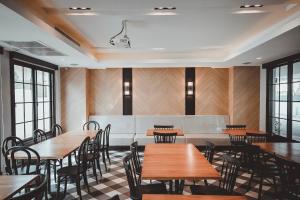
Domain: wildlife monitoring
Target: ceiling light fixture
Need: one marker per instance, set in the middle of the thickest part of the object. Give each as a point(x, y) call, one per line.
point(258, 58)
point(123, 41)
point(82, 13)
point(165, 8)
point(251, 4)
point(162, 13)
point(79, 8)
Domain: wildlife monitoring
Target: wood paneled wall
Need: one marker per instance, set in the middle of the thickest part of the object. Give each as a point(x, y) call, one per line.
point(244, 97)
point(161, 91)
point(211, 91)
point(105, 91)
point(158, 91)
point(74, 109)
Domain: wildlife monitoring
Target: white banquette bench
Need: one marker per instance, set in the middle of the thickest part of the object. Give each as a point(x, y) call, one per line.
point(197, 128)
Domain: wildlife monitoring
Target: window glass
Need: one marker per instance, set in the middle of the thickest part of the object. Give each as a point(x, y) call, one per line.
point(296, 130)
point(283, 92)
point(275, 75)
point(283, 74)
point(296, 71)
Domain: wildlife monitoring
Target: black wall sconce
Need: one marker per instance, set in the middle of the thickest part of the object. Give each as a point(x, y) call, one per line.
point(190, 91)
point(127, 91)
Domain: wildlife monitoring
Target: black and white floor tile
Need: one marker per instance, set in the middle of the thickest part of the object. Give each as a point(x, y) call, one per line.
point(114, 182)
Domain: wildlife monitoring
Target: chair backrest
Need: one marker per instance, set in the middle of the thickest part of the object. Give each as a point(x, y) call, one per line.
point(106, 135)
point(229, 173)
point(163, 126)
point(81, 159)
point(132, 178)
point(164, 137)
point(11, 142)
point(30, 158)
point(289, 177)
point(56, 130)
point(256, 138)
point(209, 151)
point(136, 156)
point(236, 126)
point(98, 141)
point(91, 125)
point(36, 193)
point(39, 136)
point(237, 139)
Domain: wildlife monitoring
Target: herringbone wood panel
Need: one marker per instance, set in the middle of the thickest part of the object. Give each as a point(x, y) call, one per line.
point(105, 92)
point(211, 91)
point(73, 98)
point(158, 91)
point(245, 96)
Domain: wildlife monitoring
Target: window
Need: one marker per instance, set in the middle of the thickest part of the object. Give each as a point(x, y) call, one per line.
point(33, 99)
point(283, 110)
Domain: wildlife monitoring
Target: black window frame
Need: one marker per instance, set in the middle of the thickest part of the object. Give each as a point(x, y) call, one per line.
point(289, 61)
point(35, 65)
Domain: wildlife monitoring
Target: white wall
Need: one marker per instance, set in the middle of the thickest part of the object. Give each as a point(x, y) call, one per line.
point(262, 105)
point(5, 106)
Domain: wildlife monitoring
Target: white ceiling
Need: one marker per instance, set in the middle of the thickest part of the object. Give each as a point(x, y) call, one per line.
point(203, 33)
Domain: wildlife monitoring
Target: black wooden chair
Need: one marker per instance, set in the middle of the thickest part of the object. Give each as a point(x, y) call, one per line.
point(236, 126)
point(105, 145)
point(163, 126)
point(256, 138)
point(56, 130)
point(37, 192)
point(8, 143)
point(164, 137)
point(238, 140)
point(39, 136)
point(75, 171)
point(136, 157)
point(259, 165)
point(30, 164)
point(289, 178)
point(229, 173)
point(91, 125)
point(209, 153)
point(135, 187)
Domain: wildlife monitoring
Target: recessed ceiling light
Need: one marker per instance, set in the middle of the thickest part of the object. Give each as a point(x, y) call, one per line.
point(249, 11)
point(258, 58)
point(246, 63)
point(82, 13)
point(162, 13)
point(79, 8)
point(158, 49)
point(165, 8)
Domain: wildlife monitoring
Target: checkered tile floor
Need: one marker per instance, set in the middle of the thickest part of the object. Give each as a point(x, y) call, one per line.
point(114, 182)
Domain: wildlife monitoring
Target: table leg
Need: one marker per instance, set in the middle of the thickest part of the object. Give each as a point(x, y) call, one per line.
point(70, 160)
point(48, 176)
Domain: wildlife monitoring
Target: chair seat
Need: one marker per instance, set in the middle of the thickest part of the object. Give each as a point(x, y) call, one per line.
point(209, 190)
point(157, 188)
point(69, 171)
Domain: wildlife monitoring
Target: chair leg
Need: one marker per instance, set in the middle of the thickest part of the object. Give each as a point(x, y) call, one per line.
point(205, 182)
point(78, 187)
point(260, 187)
point(250, 181)
point(54, 169)
point(107, 154)
point(58, 187)
point(94, 170)
point(103, 159)
point(98, 165)
point(86, 181)
point(65, 189)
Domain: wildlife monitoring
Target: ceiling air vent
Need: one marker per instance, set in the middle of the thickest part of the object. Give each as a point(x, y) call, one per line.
point(34, 47)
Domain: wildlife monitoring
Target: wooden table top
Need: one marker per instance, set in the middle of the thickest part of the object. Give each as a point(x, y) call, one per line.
point(177, 162)
point(60, 146)
point(190, 197)
point(10, 185)
point(177, 130)
point(289, 151)
point(242, 131)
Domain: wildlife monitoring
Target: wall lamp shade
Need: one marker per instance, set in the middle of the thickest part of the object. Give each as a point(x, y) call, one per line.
point(190, 88)
point(126, 88)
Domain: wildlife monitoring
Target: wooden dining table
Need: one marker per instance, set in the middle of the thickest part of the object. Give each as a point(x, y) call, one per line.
point(286, 150)
point(10, 185)
point(177, 162)
point(243, 132)
point(58, 147)
point(173, 130)
point(191, 197)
